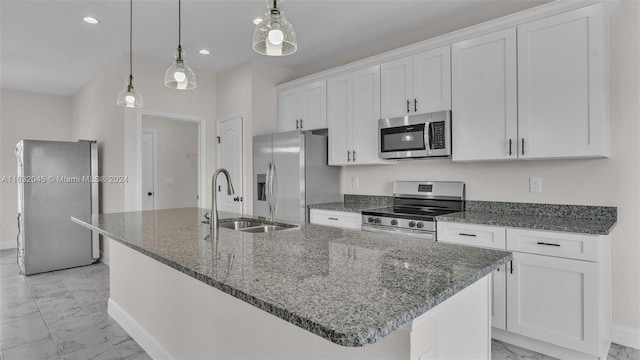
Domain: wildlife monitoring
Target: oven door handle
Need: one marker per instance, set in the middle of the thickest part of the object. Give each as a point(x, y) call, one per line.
point(389, 231)
point(427, 132)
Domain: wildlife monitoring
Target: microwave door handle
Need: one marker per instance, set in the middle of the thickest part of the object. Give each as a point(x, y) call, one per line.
point(427, 132)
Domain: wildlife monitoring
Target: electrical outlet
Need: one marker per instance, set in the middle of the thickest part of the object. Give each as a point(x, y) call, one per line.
point(535, 184)
point(355, 182)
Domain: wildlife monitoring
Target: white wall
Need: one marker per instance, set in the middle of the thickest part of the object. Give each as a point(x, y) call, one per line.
point(612, 182)
point(176, 160)
point(25, 115)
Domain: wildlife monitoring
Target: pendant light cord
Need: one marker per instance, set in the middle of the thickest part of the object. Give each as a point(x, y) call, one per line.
point(131, 39)
point(179, 22)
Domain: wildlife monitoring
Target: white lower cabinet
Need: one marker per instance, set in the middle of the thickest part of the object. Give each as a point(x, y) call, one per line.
point(554, 300)
point(554, 297)
point(340, 219)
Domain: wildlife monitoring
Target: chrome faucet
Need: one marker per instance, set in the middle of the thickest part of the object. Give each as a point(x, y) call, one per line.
point(213, 219)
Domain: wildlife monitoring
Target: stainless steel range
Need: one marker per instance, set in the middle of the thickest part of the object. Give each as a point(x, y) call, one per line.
point(415, 206)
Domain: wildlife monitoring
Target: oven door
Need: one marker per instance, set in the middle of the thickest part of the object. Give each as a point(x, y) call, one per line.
point(416, 136)
point(427, 235)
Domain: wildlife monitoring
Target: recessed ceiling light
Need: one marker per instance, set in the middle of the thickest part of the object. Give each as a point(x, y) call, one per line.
point(204, 52)
point(257, 21)
point(90, 20)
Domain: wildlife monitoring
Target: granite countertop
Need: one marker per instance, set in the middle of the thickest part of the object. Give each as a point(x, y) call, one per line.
point(345, 206)
point(356, 203)
point(350, 287)
point(551, 223)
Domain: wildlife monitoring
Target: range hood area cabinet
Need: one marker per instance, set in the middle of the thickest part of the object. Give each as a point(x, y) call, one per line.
point(353, 110)
point(535, 91)
point(416, 84)
point(303, 107)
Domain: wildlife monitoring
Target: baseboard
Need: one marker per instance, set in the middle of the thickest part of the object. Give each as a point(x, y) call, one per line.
point(138, 333)
point(625, 335)
point(7, 244)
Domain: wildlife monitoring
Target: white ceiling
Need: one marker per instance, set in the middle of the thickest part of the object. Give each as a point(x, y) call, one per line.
point(47, 48)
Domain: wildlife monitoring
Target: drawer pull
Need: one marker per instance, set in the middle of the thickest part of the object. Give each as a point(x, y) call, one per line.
point(464, 234)
point(336, 219)
point(548, 244)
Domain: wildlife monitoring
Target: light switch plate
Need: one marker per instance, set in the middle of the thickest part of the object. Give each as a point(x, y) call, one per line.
point(355, 182)
point(535, 184)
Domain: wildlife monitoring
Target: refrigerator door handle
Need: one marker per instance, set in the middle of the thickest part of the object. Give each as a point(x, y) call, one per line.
point(18, 238)
point(268, 186)
point(274, 191)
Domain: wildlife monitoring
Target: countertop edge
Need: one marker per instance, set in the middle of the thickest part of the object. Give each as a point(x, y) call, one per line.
point(349, 340)
point(524, 224)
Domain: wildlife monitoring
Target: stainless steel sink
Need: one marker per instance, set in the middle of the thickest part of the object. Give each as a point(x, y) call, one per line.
point(239, 224)
point(252, 225)
point(267, 228)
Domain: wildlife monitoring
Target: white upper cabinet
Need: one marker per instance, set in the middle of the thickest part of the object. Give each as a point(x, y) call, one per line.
point(484, 117)
point(353, 110)
point(416, 84)
point(303, 108)
point(542, 99)
point(562, 106)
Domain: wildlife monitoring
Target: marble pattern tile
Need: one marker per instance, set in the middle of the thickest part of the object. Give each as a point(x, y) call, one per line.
point(619, 352)
point(23, 331)
point(44, 349)
point(18, 310)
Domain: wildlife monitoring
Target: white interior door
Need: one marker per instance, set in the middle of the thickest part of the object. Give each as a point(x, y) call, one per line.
point(148, 170)
point(230, 155)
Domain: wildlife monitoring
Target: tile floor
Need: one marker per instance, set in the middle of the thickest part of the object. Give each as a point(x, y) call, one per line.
point(63, 315)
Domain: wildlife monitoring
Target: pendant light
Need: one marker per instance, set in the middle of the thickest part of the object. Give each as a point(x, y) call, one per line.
point(179, 75)
point(274, 35)
point(129, 97)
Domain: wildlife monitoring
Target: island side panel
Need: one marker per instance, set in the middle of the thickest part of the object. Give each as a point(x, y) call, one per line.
point(172, 315)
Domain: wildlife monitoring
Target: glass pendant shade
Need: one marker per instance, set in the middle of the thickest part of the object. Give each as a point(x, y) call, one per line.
point(129, 97)
point(274, 35)
point(179, 75)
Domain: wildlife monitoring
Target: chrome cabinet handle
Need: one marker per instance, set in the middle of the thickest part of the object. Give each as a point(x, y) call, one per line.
point(300, 124)
point(408, 104)
point(465, 234)
point(332, 218)
point(415, 105)
point(274, 184)
point(354, 155)
point(510, 152)
point(348, 155)
point(297, 124)
point(522, 146)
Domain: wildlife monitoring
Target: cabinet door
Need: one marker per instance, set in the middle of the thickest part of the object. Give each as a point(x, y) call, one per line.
point(432, 80)
point(554, 300)
point(339, 116)
point(287, 110)
point(396, 89)
point(499, 298)
point(484, 112)
point(313, 106)
point(366, 112)
point(561, 85)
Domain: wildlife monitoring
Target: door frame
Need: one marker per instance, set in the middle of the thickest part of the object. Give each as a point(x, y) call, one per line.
point(155, 165)
point(202, 163)
point(244, 155)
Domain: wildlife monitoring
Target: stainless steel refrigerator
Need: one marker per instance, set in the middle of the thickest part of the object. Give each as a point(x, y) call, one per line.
point(290, 171)
point(56, 180)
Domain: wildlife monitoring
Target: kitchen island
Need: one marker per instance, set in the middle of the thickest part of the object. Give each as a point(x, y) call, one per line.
point(305, 292)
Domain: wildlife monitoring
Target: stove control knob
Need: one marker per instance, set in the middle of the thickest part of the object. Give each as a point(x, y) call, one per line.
point(412, 223)
point(378, 220)
point(420, 225)
point(370, 219)
point(394, 222)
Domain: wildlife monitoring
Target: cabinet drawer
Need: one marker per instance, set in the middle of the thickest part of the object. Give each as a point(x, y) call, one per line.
point(335, 218)
point(565, 245)
point(474, 235)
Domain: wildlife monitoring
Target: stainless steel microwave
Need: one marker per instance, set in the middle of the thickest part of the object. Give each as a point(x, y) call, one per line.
point(415, 136)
